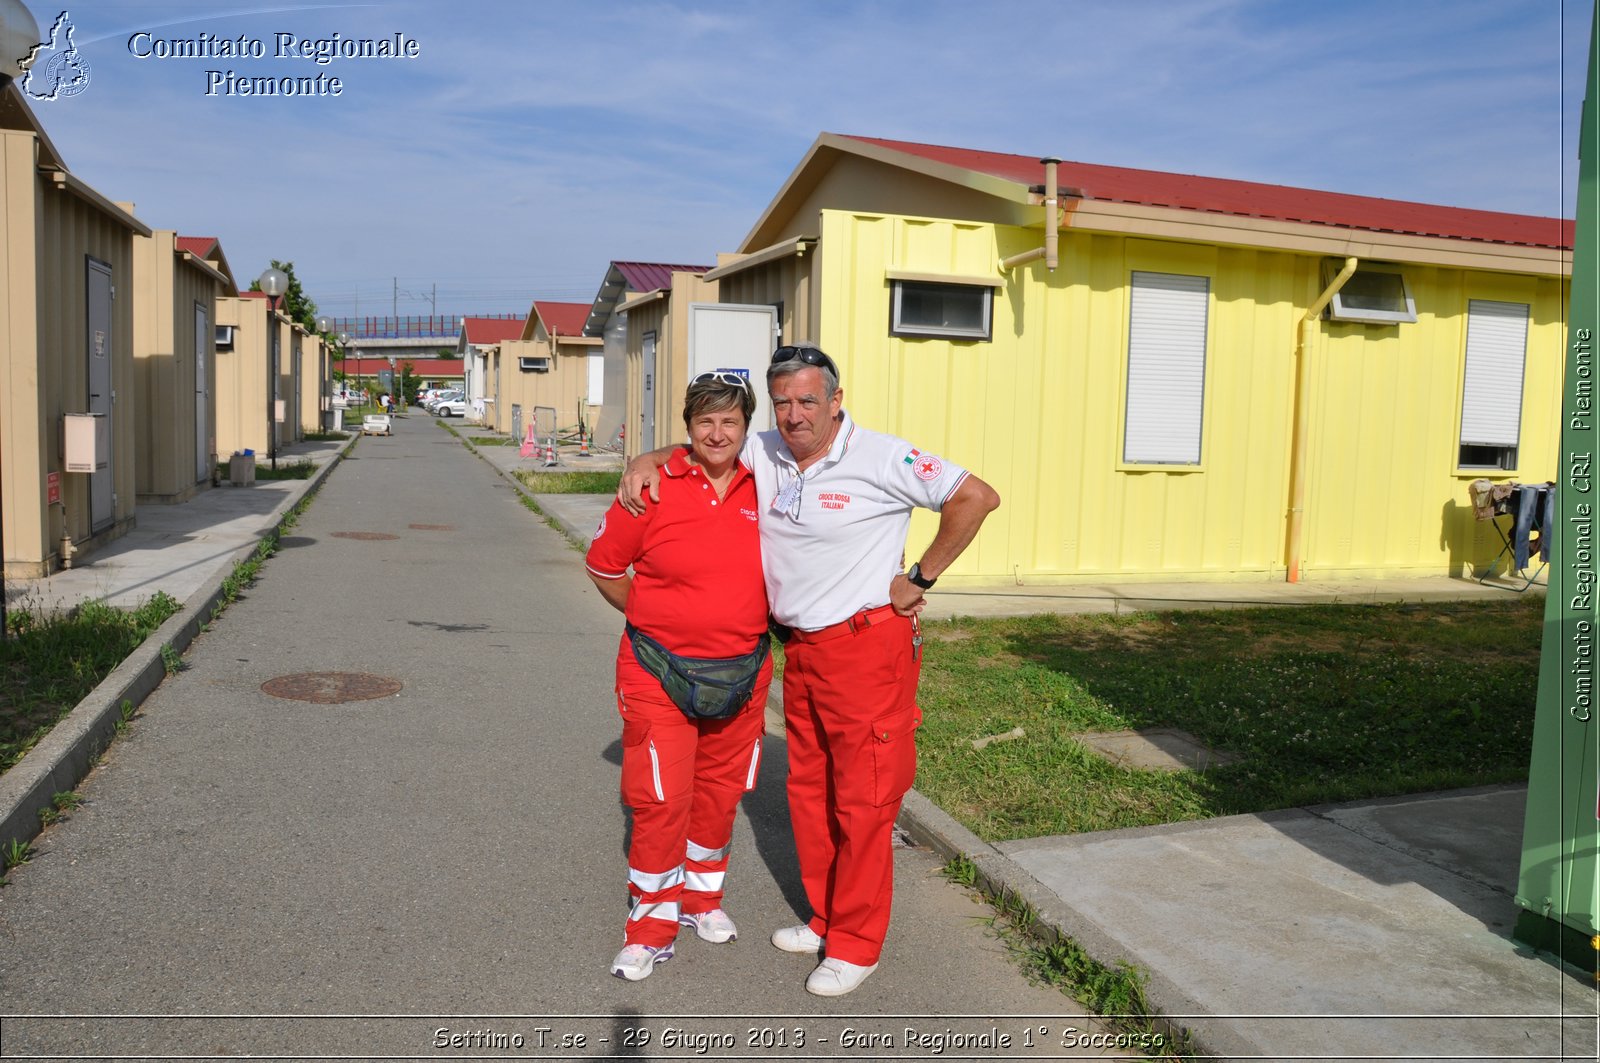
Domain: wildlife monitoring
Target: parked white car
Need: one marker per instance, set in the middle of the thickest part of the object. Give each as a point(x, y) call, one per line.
point(442, 396)
point(456, 407)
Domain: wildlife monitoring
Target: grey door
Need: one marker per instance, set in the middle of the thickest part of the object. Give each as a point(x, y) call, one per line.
point(102, 482)
point(647, 426)
point(202, 404)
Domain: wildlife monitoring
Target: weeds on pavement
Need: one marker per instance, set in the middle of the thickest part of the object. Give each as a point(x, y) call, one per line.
point(1114, 993)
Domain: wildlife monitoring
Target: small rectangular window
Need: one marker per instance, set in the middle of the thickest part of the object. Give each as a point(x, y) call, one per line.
point(224, 337)
point(534, 365)
point(921, 308)
point(1491, 390)
point(1374, 296)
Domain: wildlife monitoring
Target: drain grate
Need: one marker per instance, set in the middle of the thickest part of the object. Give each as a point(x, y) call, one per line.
point(331, 688)
point(364, 536)
point(431, 527)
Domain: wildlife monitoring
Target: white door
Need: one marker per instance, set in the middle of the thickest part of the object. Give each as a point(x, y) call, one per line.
point(738, 337)
point(647, 419)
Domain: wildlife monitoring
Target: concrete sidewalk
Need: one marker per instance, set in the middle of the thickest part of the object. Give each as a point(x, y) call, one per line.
point(1377, 930)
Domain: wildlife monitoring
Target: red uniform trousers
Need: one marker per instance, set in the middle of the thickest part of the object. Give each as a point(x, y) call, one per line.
point(683, 779)
point(850, 714)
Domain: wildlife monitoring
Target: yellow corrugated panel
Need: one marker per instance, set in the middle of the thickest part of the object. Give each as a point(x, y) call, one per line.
point(1037, 410)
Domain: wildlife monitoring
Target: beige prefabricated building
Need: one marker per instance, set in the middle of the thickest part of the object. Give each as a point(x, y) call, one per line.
point(66, 370)
point(548, 367)
point(658, 360)
point(176, 284)
point(250, 328)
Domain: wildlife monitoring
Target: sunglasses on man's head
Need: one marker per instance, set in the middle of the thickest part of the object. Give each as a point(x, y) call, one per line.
point(732, 380)
point(808, 355)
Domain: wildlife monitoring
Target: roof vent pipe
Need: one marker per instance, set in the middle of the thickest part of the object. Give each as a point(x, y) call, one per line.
point(1052, 200)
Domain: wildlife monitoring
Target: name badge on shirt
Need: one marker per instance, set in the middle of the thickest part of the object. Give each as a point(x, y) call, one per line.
point(788, 500)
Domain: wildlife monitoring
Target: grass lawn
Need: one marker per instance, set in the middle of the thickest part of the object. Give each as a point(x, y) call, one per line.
point(571, 483)
point(1324, 703)
point(50, 663)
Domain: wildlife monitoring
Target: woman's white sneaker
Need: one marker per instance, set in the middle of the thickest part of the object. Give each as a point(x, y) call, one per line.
point(835, 978)
point(637, 961)
point(797, 939)
point(713, 926)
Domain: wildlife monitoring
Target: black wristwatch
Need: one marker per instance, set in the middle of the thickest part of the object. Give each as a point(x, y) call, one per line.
point(918, 579)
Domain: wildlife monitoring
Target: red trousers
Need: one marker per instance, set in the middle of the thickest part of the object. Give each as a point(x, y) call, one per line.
point(683, 779)
point(850, 714)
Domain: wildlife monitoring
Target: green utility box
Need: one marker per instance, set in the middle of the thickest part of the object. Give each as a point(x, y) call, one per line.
point(1558, 891)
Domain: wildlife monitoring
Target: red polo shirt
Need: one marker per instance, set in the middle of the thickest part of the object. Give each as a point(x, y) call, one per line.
point(697, 583)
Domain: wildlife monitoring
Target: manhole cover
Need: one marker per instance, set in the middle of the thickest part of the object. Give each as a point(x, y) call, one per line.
point(364, 535)
point(331, 688)
point(431, 527)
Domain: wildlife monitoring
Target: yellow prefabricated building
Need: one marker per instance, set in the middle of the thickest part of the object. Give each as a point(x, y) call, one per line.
point(1172, 401)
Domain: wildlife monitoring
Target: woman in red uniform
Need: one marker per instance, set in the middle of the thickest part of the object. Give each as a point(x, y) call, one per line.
point(692, 672)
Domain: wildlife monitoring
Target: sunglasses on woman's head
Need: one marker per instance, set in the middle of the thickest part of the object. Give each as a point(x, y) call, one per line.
point(733, 380)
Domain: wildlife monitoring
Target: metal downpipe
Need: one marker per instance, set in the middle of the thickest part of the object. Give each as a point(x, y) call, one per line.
point(1302, 411)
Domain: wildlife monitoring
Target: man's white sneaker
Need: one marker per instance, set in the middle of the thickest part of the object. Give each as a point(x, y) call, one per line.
point(797, 939)
point(835, 978)
point(713, 926)
point(637, 961)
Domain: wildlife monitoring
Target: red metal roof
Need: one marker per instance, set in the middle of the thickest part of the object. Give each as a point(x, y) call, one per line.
point(562, 319)
point(488, 330)
point(1252, 200)
point(198, 246)
point(650, 276)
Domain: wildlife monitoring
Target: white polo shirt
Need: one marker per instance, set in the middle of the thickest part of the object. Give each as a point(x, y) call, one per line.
point(833, 537)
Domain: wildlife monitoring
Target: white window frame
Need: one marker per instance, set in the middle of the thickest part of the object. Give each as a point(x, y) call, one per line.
point(1337, 310)
point(899, 327)
point(1494, 366)
point(1165, 375)
point(534, 364)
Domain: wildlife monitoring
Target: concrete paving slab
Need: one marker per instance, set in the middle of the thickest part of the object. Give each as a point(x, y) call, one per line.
point(1155, 749)
point(1333, 933)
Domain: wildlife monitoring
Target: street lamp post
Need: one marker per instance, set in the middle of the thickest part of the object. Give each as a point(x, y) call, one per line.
point(325, 327)
point(274, 282)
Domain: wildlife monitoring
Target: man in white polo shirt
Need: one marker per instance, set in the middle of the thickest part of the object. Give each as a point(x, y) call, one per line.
point(836, 502)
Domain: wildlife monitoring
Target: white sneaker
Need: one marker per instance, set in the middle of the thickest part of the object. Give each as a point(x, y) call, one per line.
point(797, 939)
point(713, 926)
point(835, 978)
point(637, 961)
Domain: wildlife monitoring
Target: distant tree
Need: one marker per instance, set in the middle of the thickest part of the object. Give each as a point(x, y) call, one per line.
point(409, 382)
point(295, 303)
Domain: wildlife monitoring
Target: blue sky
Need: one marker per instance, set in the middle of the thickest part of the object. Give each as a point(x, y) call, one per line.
point(530, 143)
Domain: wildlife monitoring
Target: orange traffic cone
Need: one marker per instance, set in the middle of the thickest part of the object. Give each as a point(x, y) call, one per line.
point(583, 445)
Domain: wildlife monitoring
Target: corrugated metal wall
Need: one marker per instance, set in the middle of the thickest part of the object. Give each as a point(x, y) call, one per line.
point(70, 232)
point(166, 292)
point(1038, 410)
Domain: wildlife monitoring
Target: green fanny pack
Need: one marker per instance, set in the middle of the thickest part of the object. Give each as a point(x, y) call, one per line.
point(704, 688)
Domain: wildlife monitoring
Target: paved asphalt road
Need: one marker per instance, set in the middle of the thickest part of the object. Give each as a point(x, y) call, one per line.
point(448, 857)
